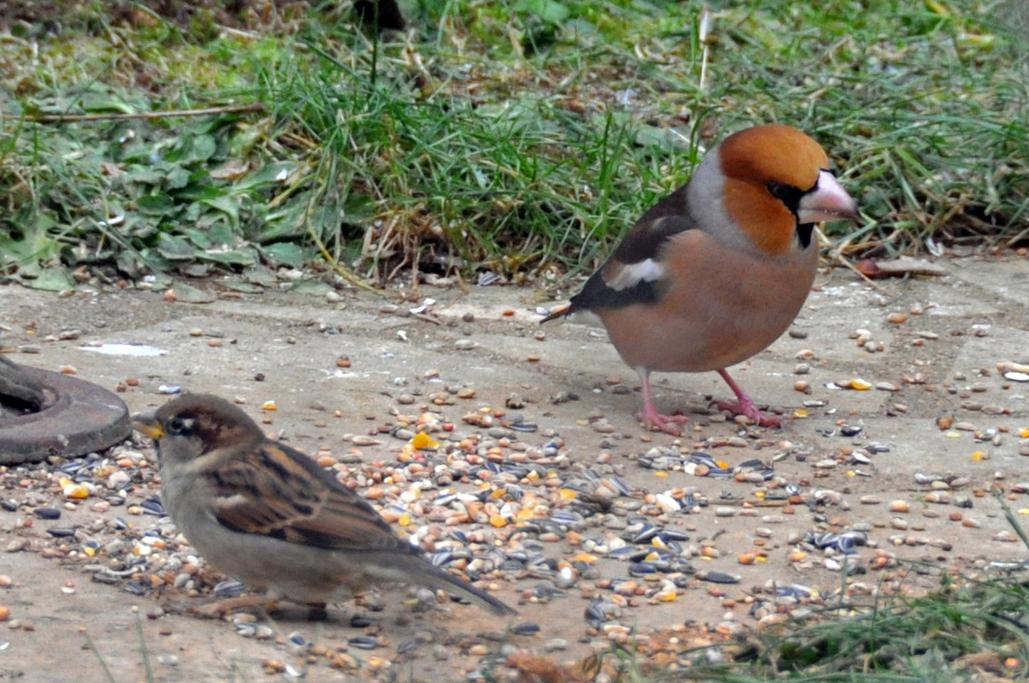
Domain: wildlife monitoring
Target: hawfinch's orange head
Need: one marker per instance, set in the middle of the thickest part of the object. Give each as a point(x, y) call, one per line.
point(769, 185)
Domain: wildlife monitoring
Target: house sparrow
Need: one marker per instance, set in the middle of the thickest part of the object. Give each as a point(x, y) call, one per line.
point(716, 271)
point(270, 516)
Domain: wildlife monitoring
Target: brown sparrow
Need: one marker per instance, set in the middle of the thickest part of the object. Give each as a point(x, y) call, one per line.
point(270, 516)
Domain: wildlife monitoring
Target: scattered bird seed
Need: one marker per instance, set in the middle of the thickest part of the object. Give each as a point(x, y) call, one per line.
point(719, 577)
point(363, 642)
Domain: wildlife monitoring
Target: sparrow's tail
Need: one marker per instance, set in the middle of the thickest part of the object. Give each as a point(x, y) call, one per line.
point(433, 577)
point(414, 568)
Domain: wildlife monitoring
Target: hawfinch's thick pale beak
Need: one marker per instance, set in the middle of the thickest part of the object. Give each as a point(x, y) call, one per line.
point(147, 423)
point(828, 201)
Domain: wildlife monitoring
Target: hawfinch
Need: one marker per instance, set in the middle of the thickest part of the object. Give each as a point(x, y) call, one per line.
point(716, 271)
point(270, 516)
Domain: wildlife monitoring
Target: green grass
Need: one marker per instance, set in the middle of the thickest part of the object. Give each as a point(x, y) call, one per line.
point(521, 137)
point(944, 636)
point(967, 625)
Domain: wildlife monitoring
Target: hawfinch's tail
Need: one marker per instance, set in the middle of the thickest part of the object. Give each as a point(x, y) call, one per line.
point(559, 312)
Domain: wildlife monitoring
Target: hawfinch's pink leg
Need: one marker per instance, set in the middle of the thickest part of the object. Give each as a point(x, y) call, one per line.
point(743, 405)
point(649, 416)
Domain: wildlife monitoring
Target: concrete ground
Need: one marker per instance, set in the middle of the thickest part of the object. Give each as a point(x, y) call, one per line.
point(939, 407)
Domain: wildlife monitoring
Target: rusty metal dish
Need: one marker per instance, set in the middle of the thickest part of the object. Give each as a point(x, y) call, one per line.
point(75, 417)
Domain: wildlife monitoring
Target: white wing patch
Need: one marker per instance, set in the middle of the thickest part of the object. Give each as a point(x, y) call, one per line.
point(631, 274)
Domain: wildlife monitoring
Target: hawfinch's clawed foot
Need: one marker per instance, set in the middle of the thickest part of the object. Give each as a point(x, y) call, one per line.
point(747, 408)
point(657, 422)
point(743, 405)
point(649, 416)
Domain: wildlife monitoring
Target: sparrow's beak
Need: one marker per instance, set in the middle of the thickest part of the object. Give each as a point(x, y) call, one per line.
point(828, 201)
point(147, 424)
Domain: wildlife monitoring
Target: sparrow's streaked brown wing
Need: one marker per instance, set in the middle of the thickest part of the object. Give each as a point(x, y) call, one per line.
point(278, 492)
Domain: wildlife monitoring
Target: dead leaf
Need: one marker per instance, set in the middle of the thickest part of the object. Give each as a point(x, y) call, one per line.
point(188, 294)
point(537, 669)
point(233, 169)
point(980, 661)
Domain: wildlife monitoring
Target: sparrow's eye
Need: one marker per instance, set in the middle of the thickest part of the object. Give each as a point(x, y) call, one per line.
point(178, 425)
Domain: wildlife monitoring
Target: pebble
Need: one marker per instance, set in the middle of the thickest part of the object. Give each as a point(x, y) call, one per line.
point(47, 513)
point(555, 645)
point(669, 505)
point(899, 506)
point(17, 545)
point(527, 628)
point(464, 344)
point(118, 480)
point(273, 666)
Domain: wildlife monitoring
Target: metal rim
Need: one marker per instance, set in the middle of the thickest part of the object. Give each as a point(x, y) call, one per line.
point(79, 417)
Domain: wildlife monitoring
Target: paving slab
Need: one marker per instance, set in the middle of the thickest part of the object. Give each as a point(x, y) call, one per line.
point(357, 365)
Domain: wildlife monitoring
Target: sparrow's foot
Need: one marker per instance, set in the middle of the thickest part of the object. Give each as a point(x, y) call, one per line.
point(657, 422)
point(219, 609)
point(747, 408)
